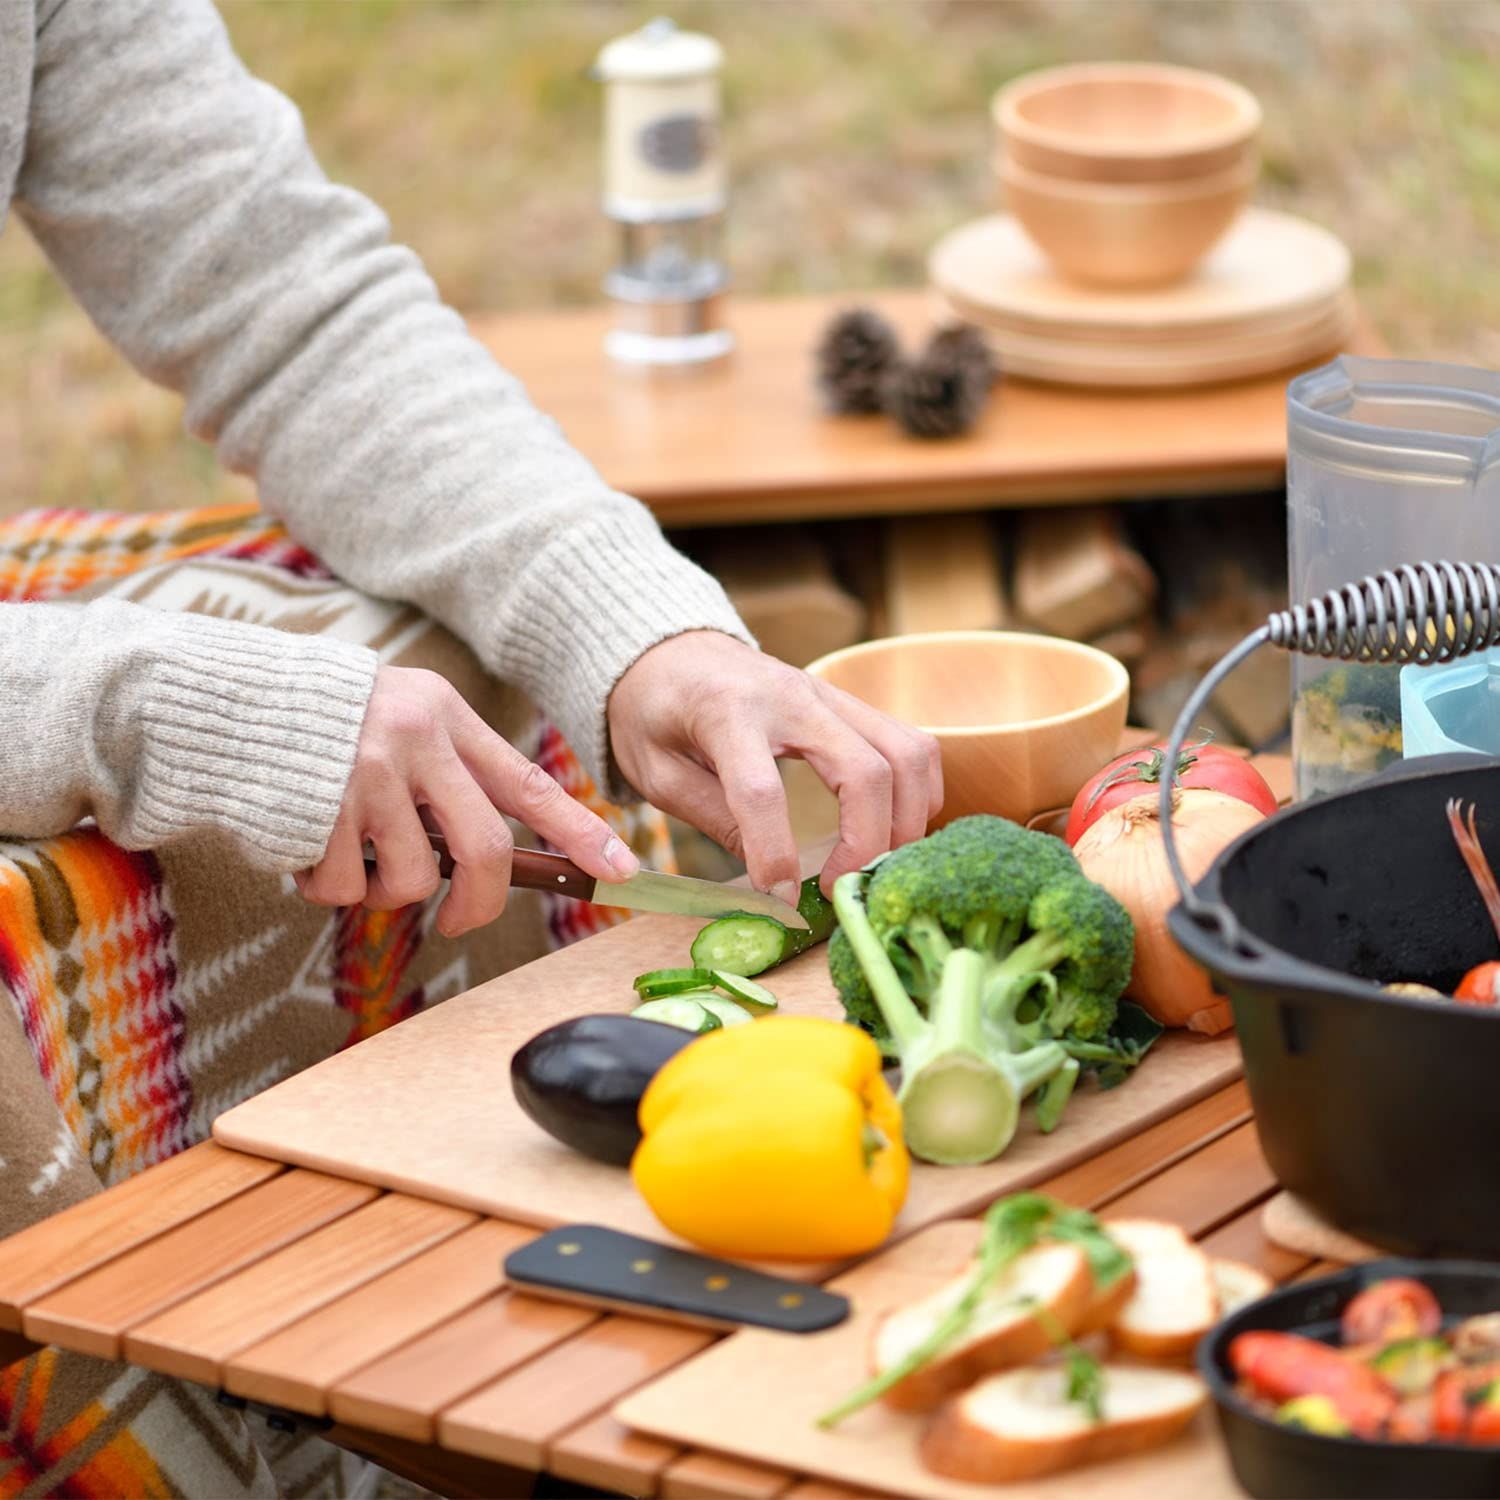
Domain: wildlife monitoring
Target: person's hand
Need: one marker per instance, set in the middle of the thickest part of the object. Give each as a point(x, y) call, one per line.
point(698, 723)
point(426, 758)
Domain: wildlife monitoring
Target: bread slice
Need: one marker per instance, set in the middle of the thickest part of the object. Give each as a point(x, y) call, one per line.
point(1238, 1285)
point(1106, 1305)
point(1005, 1330)
point(1175, 1301)
point(1020, 1424)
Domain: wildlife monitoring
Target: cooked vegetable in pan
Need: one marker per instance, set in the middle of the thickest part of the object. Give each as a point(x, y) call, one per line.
point(1398, 1375)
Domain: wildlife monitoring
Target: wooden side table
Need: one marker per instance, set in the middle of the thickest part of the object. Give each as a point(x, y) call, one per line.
point(746, 442)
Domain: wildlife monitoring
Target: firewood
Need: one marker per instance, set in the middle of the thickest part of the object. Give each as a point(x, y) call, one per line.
point(942, 573)
point(1077, 575)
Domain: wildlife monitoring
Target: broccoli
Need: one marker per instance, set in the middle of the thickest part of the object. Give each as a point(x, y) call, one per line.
point(991, 967)
point(859, 1004)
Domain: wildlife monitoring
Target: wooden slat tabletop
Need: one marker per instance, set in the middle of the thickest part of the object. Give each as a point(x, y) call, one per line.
point(389, 1314)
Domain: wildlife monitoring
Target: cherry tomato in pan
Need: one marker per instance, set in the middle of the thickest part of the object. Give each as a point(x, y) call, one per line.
point(1398, 1308)
point(1466, 1405)
point(1480, 986)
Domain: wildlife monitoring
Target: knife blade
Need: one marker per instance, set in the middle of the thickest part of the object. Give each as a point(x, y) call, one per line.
point(681, 895)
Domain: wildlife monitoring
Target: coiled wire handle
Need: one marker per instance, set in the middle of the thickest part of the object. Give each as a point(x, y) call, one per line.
point(1422, 614)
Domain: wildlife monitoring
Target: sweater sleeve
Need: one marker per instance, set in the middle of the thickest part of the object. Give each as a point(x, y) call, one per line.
point(159, 725)
point(177, 197)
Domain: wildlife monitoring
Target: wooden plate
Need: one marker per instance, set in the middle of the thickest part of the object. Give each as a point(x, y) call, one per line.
point(1270, 264)
point(1331, 328)
point(1064, 363)
point(1293, 321)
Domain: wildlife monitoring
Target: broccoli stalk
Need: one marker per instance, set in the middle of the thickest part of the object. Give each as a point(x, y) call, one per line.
point(962, 1084)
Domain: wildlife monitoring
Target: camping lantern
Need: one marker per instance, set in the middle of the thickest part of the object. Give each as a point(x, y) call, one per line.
point(664, 186)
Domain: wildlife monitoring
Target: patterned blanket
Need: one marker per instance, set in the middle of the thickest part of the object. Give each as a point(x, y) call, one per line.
point(148, 992)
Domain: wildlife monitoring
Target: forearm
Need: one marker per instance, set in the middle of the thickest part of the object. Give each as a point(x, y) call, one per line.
point(179, 200)
point(160, 725)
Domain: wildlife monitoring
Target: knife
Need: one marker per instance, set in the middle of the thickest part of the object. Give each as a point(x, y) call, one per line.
point(601, 1267)
point(538, 870)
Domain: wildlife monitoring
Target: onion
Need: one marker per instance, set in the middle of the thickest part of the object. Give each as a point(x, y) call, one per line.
point(1124, 853)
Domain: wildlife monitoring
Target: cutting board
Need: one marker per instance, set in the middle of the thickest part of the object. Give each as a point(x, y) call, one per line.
point(427, 1108)
point(756, 1395)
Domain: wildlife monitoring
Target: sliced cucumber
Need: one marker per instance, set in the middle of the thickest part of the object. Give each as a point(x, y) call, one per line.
point(677, 1010)
point(756, 998)
point(727, 1011)
point(661, 982)
point(743, 944)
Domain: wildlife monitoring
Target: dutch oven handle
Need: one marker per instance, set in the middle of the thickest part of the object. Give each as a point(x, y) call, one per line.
point(1422, 613)
point(1212, 918)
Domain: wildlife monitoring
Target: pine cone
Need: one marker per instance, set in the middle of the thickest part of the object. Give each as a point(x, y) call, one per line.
point(965, 346)
point(856, 352)
point(941, 393)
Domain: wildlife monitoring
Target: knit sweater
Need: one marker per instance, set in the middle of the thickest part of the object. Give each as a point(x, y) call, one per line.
point(177, 198)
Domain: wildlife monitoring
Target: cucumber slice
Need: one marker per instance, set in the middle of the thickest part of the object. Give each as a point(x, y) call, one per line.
point(727, 1011)
point(756, 998)
point(661, 982)
point(743, 944)
point(678, 1011)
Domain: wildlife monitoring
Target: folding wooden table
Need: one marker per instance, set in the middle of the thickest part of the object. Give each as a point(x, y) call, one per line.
point(386, 1317)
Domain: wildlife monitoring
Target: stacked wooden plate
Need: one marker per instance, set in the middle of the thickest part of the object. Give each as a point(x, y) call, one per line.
point(1274, 294)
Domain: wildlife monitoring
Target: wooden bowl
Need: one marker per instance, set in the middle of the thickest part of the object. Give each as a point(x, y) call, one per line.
point(1135, 234)
point(1023, 720)
point(1126, 122)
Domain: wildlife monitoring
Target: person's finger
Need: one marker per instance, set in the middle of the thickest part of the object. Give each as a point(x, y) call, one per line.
point(913, 755)
point(405, 867)
point(756, 799)
point(523, 789)
point(478, 840)
point(861, 778)
point(338, 879)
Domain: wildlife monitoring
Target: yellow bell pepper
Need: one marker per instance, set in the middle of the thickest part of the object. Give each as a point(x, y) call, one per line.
point(778, 1140)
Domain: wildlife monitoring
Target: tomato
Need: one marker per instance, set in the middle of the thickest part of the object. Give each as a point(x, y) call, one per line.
point(1138, 772)
point(1398, 1308)
point(1466, 1405)
point(1480, 986)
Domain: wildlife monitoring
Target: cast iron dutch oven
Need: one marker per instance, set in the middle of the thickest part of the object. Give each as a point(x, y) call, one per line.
point(1380, 1111)
point(1275, 1462)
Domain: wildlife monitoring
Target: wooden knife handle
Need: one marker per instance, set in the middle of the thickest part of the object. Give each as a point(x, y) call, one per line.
point(530, 870)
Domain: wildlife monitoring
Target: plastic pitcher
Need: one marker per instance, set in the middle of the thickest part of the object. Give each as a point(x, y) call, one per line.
point(1388, 461)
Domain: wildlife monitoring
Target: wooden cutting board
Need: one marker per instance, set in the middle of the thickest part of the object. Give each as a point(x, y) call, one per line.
point(427, 1107)
point(756, 1395)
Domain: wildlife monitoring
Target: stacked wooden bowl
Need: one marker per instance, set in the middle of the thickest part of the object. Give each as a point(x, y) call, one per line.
point(1128, 256)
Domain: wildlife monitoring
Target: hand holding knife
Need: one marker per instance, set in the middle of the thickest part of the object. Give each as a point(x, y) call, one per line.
point(538, 870)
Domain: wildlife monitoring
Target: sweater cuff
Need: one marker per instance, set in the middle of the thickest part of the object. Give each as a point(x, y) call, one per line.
point(251, 730)
point(595, 601)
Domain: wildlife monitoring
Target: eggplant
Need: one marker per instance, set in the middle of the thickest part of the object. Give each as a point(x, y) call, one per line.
point(582, 1080)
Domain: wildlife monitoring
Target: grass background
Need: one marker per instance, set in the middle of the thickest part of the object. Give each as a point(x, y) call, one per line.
point(858, 132)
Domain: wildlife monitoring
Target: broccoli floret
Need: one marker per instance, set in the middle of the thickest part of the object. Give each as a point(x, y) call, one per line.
point(1081, 948)
point(848, 978)
point(984, 949)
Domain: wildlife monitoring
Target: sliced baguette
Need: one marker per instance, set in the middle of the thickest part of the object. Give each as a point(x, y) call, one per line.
point(1020, 1425)
point(1106, 1305)
point(1238, 1285)
point(1006, 1329)
point(1175, 1301)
